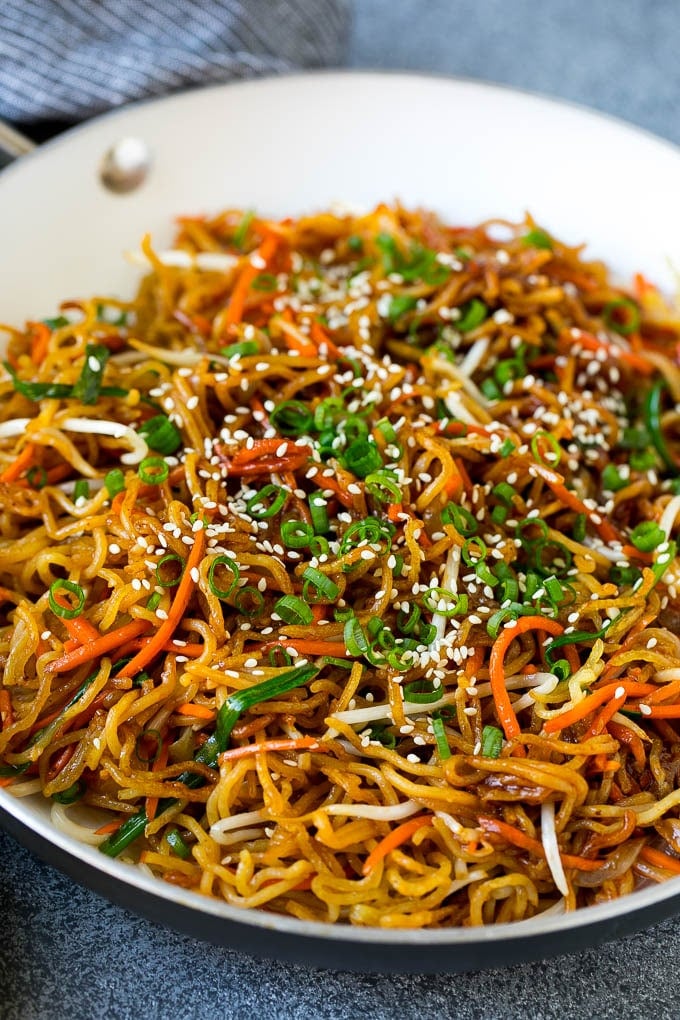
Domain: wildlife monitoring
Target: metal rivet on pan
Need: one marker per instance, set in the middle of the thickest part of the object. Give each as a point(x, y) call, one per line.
point(125, 166)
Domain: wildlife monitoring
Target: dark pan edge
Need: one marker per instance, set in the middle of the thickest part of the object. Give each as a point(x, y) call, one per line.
point(334, 954)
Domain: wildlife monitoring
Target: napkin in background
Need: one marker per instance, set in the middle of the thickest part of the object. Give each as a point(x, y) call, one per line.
point(64, 60)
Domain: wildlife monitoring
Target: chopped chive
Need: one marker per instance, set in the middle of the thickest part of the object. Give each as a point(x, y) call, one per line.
point(492, 742)
point(69, 588)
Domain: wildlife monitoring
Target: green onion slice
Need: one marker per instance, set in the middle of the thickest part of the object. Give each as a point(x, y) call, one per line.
point(317, 587)
point(355, 639)
point(461, 518)
point(88, 386)
point(647, 536)
point(439, 730)
point(293, 610)
point(162, 578)
point(382, 486)
point(267, 502)
point(161, 434)
point(232, 567)
point(153, 471)
point(422, 692)
point(458, 604)
point(622, 316)
point(292, 418)
point(114, 481)
point(69, 796)
point(177, 844)
point(70, 588)
point(472, 315)
point(492, 742)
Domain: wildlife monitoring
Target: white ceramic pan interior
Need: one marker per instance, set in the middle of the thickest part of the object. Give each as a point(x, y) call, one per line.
point(292, 145)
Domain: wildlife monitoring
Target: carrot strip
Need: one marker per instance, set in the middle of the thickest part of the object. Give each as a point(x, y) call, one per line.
point(22, 462)
point(319, 336)
point(109, 827)
point(40, 342)
point(335, 486)
point(235, 308)
point(516, 837)
point(61, 761)
point(95, 649)
point(504, 709)
point(167, 628)
point(294, 744)
point(570, 499)
point(602, 718)
point(261, 447)
point(6, 711)
point(151, 803)
point(664, 693)
point(660, 859)
point(663, 712)
point(81, 630)
point(394, 512)
point(593, 343)
point(196, 711)
point(192, 651)
point(393, 840)
point(593, 701)
point(630, 739)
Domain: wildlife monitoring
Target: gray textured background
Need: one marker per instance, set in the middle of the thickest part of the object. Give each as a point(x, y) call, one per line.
point(66, 953)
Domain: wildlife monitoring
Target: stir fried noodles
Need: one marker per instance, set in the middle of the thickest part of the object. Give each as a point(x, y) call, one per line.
point(339, 574)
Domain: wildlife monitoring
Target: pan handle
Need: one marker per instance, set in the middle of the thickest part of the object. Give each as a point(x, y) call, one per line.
point(13, 144)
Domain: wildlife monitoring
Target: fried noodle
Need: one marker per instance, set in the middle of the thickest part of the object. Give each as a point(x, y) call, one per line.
point(338, 570)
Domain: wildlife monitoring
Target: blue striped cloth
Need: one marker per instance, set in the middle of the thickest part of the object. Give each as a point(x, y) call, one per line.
point(65, 60)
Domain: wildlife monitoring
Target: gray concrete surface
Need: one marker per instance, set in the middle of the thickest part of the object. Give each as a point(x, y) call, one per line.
point(65, 952)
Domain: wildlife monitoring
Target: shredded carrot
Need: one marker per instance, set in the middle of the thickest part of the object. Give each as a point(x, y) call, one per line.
point(504, 709)
point(516, 837)
point(319, 336)
point(20, 464)
point(151, 803)
point(570, 499)
point(394, 840)
point(108, 828)
point(602, 718)
point(235, 308)
point(40, 342)
point(663, 712)
point(61, 761)
point(593, 343)
point(394, 512)
point(626, 736)
point(319, 612)
point(294, 744)
point(335, 486)
point(464, 476)
point(176, 613)
point(191, 650)
point(6, 711)
point(643, 287)
point(95, 649)
point(660, 859)
point(81, 630)
point(251, 460)
point(593, 701)
point(195, 711)
point(664, 693)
